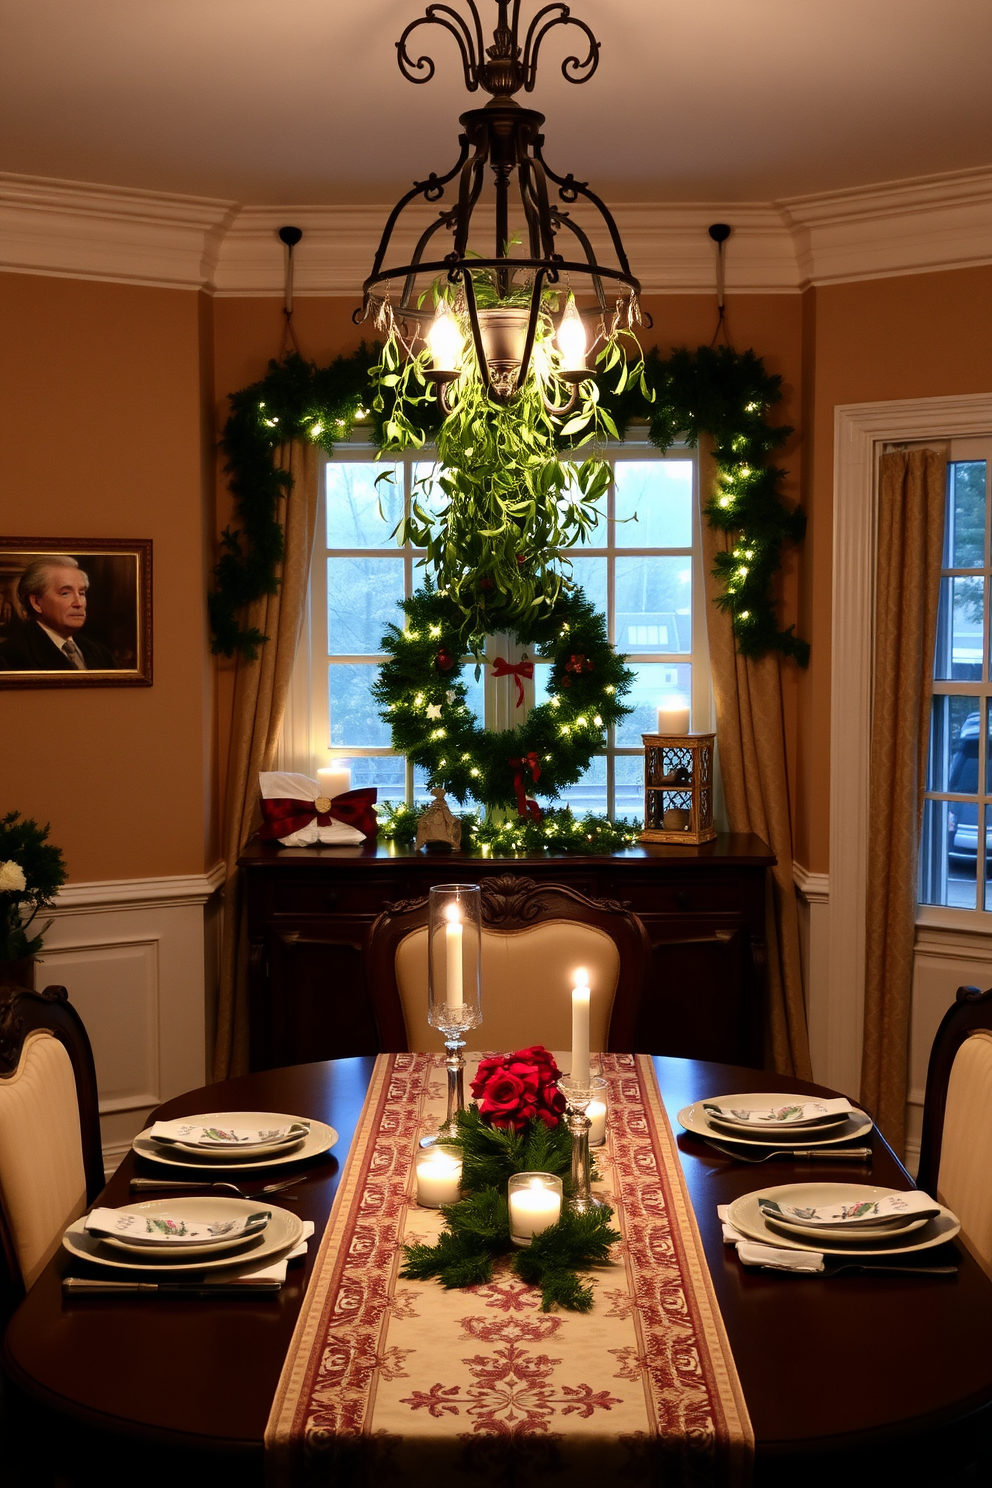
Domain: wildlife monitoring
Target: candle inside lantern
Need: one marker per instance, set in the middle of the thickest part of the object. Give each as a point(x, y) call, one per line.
point(579, 1072)
point(673, 715)
point(454, 994)
point(333, 782)
point(535, 1204)
point(596, 1111)
point(439, 1177)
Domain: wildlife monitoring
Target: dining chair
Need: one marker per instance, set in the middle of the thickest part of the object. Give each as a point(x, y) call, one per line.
point(51, 1161)
point(534, 936)
point(956, 1146)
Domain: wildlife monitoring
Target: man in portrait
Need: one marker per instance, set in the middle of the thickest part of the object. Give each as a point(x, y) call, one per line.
point(51, 596)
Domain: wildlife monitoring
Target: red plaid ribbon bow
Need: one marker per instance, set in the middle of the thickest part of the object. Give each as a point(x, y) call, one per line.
point(502, 668)
point(529, 762)
point(282, 816)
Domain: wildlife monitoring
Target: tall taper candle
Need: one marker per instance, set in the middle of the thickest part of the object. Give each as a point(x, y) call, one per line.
point(580, 1029)
point(454, 995)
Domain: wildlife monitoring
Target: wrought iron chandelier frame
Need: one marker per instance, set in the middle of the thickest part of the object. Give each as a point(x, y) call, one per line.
point(506, 139)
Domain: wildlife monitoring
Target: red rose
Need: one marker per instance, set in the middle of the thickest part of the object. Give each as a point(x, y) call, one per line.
point(512, 1089)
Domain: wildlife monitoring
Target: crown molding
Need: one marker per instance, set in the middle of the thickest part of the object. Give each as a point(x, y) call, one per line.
point(77, 230)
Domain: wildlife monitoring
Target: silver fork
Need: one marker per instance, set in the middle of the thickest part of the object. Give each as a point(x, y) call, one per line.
point(838, 1154)
point(145, 1185)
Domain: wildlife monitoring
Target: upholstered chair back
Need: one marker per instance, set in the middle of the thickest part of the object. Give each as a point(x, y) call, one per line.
point(526, 981)
point(50, 1160)
point(964, 1182)
point(534, 937)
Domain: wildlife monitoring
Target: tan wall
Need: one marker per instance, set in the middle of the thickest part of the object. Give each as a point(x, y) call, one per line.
point(919, 336)
point(102, 435)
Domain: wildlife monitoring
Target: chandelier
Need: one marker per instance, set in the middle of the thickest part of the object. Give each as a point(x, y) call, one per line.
point(499, 313)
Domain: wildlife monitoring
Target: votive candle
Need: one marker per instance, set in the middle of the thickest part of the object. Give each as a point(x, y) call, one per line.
point(535, 1204)
point(579, 1071)
point(596, 1111)
point(439, 1176)
point(673, 717)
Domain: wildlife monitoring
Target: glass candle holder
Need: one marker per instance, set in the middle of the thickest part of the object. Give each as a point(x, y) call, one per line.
point(535, 1204)
point(454, 979)
point(439, 1176)
point(580, 1098)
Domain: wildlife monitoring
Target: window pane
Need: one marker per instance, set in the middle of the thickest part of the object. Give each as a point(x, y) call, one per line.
point(964, 537)
point(953, 759)
point(353, 501)
point(960, 626)
point(948, 872)
point(587, 794)
point(362, 599)
point(629, 789)
point(659, 493)
point(590, 575)
point(654, 604)
point(387, 773)
point(651, 680)
point(354, 712)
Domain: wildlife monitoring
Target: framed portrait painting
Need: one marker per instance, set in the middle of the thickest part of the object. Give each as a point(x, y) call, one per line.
point(75, 612)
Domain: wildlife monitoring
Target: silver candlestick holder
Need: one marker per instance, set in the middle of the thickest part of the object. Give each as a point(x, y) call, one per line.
point(578, 1098)
point(454, 983)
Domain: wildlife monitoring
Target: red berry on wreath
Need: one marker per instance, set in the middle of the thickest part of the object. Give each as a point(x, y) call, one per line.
point(443, 661)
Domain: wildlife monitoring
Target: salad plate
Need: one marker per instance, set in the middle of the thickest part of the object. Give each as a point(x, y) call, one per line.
point(169, 1230)
point(319, 1139)
point(745, 1216)
point(231, 1139)
point(696, 1119)
point(283, 1232)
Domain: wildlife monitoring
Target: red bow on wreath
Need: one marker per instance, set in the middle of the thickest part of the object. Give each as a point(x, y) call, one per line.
point(502, 668)
point(529, 762)
point(577, 664)
point(282, 816)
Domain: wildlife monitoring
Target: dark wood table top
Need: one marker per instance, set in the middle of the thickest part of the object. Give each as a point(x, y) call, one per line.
point(829, 1365)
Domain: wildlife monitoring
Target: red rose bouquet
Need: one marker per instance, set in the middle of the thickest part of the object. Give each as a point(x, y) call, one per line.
point(512, 1089)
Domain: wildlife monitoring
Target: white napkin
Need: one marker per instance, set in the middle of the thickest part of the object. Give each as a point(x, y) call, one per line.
point(857, 1216)
point(278, 785)
point(802, 1113)
point(159, 1229)
point(195, 1134)
point(753, 1253)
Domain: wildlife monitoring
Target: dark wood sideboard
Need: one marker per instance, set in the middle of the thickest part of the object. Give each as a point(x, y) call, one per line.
point(310, 911)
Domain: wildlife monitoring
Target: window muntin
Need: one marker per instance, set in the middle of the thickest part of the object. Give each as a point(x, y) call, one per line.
point(956, 837)
point(642, 567)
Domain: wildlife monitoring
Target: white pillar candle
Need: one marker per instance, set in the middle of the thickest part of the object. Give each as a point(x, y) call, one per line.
point(439, 1177)
point(454, 996)
point(596, 1111)
point(579, 1071)
point(673, 718)
point(533, 1209)
point(333, 782)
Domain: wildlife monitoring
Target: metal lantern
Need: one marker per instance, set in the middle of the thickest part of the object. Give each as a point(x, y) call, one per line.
point(678, 788)
point(501, 148)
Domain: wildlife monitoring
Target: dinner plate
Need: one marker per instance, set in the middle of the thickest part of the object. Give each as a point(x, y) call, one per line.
point(284, 1231)
point(192, 1211)
point(745, 1216)
point(321, 1139)
point(697, 1121)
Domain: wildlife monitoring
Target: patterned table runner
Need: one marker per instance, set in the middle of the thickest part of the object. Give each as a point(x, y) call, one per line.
point(390, 1381)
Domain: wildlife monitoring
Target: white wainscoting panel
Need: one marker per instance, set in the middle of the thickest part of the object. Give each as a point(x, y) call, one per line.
point(138, 958)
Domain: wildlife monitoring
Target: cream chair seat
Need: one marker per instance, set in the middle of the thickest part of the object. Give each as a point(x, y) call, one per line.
point(956, 1147)
point(534, 936)
point(51, 1164)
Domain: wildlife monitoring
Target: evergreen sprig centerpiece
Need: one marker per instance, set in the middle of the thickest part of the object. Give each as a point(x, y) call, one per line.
point(32, 871)
point(515, 1127)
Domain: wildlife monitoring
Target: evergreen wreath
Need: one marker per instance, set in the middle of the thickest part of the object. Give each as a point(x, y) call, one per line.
point(713, 390)
point(424, 701)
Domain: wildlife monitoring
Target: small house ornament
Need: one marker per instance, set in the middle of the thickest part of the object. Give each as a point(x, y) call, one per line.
point(438, 830)
point(678, 788)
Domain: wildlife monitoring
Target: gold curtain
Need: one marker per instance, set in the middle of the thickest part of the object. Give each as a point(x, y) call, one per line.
point(260, 692)
point(910, 539)
point(751, 742)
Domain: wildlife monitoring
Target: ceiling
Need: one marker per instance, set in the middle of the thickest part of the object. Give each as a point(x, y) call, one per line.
point(301, 101)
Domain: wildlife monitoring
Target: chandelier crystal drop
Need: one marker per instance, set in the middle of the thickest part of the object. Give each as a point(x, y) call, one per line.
point(476, 305)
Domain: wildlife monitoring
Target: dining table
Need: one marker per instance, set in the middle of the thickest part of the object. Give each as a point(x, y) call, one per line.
point(877, 1374)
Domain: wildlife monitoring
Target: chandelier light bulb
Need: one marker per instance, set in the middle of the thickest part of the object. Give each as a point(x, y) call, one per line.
point(445, 340)
point(571, 338)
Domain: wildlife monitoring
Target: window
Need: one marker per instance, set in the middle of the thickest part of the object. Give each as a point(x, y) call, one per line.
point(642, 568)
point(956, 839)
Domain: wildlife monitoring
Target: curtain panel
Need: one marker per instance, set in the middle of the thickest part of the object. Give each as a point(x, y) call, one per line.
point(260, 691)
point(911, 497)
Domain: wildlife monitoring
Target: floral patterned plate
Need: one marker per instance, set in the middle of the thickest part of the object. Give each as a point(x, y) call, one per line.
point(745, 1216)
point(283, 1232)
point(319, 1140)
point(696, 1119)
